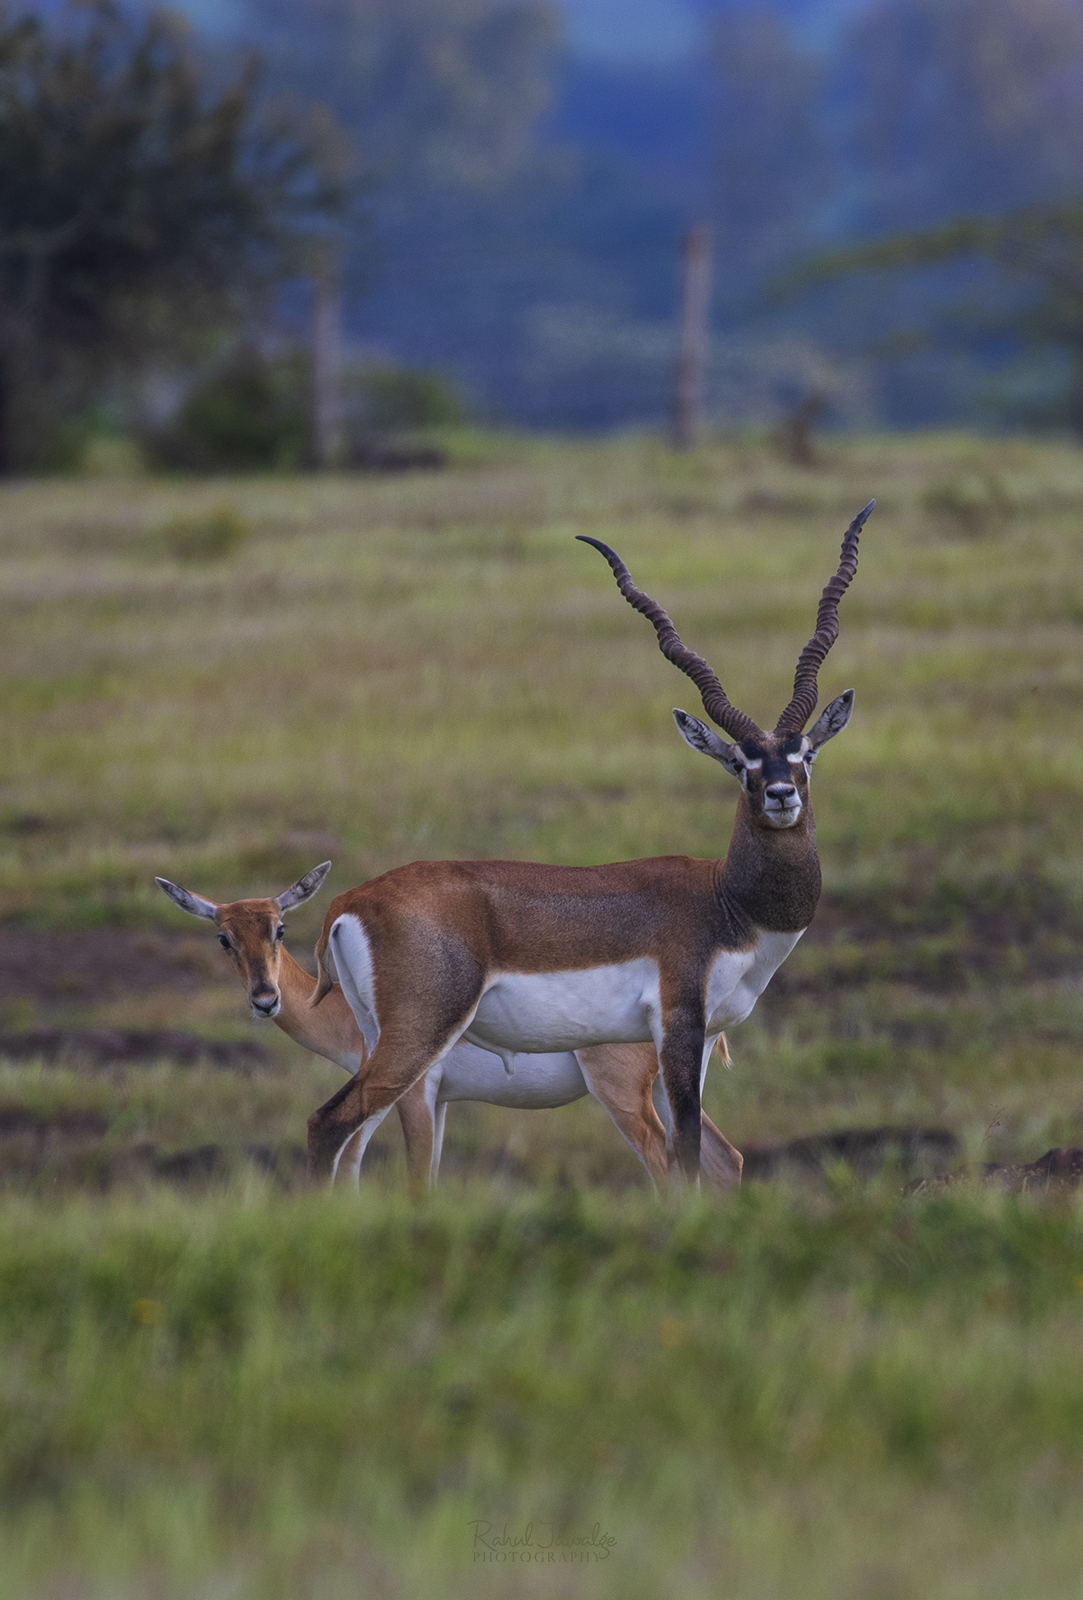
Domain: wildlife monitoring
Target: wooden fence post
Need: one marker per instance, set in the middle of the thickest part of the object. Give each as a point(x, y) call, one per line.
point(692, 352)
point(328, 419)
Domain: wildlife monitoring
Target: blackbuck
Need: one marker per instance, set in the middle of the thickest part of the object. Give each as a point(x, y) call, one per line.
point(515, 957)
point(622, 1078)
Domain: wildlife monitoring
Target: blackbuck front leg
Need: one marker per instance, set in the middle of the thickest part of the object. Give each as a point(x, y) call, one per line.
point(721, 1163)
point(680, 1054)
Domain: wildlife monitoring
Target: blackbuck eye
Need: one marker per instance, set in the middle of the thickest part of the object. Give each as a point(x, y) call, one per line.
point(280, 933)
point(223, 941)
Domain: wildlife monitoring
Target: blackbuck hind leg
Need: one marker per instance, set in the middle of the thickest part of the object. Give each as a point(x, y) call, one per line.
point(416, 1121)
point(439, 1119)
point(419, 1134)
point(418, 1024)
point(620, 1077)
point(350, 1156)
point(340, 1129)
point(329, 1127)
point(402, 1056)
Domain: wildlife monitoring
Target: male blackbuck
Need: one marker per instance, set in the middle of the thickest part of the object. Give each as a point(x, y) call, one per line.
point(623, 1078)
point(518, 958)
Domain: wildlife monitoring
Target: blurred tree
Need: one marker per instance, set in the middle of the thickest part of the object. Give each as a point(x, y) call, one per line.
point(139, 202)
point(958, 106)
point(435, 91)
point(772, 161)
point(941, 110)
point(393, 400)
point(1040, 248)
point(252, 414)
point(441, 98)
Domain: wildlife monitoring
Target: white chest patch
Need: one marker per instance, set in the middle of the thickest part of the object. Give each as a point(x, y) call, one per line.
point(537, 1082)
point(738, 978)
point(550, 1011)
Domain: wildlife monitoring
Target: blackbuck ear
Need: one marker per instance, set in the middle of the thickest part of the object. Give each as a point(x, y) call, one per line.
point(194, 904)
point(304, 888)
point(700, 737)
point(830, 721)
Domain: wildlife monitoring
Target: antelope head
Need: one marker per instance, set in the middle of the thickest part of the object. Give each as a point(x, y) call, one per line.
point(773, 767)
point(251, 933)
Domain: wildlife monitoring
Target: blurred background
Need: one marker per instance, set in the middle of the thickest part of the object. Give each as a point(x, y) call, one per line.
point(482, 204)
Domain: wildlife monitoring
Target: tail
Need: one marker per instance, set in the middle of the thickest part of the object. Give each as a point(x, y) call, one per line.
point(324, 981)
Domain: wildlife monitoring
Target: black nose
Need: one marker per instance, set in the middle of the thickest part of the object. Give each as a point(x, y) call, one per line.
point(264, 1002)
point(781, 791)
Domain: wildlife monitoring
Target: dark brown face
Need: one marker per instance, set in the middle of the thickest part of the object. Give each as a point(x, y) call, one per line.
point(773, 768)
point(774, 773)
point(251, 933)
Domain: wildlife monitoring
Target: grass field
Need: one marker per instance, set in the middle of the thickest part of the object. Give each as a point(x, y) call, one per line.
point(230, 1386)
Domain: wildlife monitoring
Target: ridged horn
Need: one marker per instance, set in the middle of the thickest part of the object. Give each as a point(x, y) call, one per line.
point(715, 702)
point(805, 688)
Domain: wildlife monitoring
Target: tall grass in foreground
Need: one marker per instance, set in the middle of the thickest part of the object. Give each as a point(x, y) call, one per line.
point(322, 1396)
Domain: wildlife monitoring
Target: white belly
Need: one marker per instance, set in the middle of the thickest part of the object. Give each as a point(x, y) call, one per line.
point(567, 1010)
point(546, 1012)
point(738, 978)
point(537, 1081)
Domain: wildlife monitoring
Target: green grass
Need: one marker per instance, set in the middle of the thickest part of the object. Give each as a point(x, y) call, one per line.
point(245, 1389)
point(246, 1396)
point(435, 666)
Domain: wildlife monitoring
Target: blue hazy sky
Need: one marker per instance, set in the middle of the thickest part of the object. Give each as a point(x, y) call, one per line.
point(621, 30)
point(632, 29)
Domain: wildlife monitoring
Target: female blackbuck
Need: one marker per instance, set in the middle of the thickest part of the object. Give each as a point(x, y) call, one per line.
point(517, 958)
point(622, 1078)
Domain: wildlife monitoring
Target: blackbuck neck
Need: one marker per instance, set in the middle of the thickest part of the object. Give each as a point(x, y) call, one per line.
point(336, 1036)
point(771, 876)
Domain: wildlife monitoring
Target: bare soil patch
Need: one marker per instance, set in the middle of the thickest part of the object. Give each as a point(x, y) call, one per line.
point(61, 969)
point(938, 936)
point(109, 1047)
point(68, 1151)
point(909, 1152)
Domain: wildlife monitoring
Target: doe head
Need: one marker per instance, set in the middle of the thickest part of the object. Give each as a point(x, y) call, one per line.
point(251, 933)
point(773, 767)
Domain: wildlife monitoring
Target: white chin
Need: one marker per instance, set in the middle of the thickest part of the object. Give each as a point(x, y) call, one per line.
point(783, 819)
point(265, 1016)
